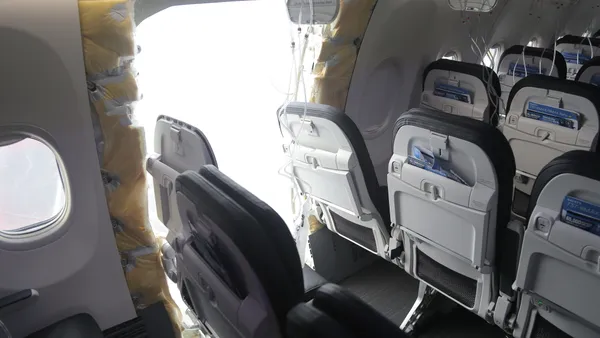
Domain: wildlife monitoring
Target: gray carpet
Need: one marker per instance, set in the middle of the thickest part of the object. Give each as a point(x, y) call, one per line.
point(391, 291)
point(386, 287)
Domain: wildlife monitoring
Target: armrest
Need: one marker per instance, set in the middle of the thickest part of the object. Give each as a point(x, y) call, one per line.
point(17, 301)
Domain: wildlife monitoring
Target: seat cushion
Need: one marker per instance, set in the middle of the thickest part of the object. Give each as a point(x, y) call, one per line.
point(312, 281)
point(274, 227)
point(578, 162)
point(217, 209)
point(305, 321)
point(78, 326)
point(347, 309)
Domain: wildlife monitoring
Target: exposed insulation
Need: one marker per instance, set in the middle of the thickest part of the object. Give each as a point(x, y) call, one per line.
point(339, 50)
point(107, 28)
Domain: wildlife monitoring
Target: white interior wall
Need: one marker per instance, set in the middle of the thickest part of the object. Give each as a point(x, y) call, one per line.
point(404, 36)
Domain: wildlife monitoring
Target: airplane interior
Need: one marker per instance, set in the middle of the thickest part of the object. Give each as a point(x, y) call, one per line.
point(442, 158)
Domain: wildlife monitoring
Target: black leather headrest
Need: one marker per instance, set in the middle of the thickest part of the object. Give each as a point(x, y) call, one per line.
point(559, 60)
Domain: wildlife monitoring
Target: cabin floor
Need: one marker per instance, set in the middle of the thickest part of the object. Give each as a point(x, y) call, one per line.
point(392, 292)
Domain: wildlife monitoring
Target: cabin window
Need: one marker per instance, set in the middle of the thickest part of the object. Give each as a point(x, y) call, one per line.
point(32, 194)
point(533, 42)
point(490, 57)
point(451, 55)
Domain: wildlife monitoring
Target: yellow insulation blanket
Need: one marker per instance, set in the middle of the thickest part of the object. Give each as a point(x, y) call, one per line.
point(339, 50)
point(107, 29)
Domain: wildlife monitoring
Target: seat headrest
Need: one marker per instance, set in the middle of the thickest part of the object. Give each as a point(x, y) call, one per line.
point(590, 72)
point(484, 135)
point(577, 162)
point(577, 50)
point(585, 90)
point(578, 40)
point(559, 61)
point(486, 91)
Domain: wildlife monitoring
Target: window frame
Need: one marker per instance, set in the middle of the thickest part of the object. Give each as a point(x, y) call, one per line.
point(452, 55)
point(42, 229)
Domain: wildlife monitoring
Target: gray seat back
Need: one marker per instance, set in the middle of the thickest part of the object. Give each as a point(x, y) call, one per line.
point(537, 139)
point(559, 264)
point(330, 163)
point(461, 88)
point(452, 223)
point(518, 61)
point(590, 72)
point(577, 50)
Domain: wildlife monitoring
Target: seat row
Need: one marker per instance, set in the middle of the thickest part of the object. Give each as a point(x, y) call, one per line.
point(453, 178)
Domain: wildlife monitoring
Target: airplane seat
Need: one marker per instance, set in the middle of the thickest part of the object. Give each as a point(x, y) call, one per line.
point(238, 265)
point(462, 88)
point(453, 215)
point(538, 61)
point(332, 165)
point(535, 137)
point(577, 50)
point(558, 271)
point(77, 326)
point(590, 72)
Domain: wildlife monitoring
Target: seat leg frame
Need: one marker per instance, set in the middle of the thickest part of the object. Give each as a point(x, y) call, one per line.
point(424, 297)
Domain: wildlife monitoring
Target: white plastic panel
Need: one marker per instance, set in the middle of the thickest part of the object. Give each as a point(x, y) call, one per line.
point(560, 262)
point(73, 264)
point(546, 140)
point(455, 216)
point(533, 307)
point(477, 110)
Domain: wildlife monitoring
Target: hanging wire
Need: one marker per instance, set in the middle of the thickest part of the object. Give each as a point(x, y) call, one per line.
point(298, 71)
